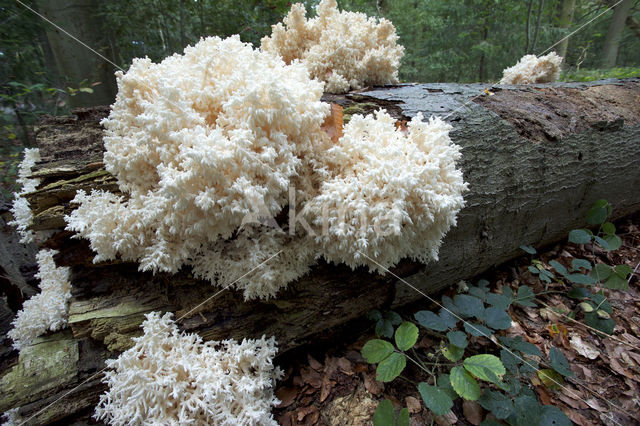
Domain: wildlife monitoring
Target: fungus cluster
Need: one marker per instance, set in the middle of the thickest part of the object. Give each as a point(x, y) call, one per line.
point(22, 215)
point(174, 378)
point(347, 50)
point(532, 69)
point(206, 161)
point(47, 310)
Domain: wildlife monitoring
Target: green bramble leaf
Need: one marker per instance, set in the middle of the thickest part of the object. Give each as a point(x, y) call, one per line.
point(376, 350)
point(579, 236)
point(498, 403)
point(525, 296)
point(384, 415)
point(496, 318)
point(390, 367)
point(430, 320)
point(596, 215)
point(464, 384)
point(458, 338)
point(393, 317)
point(403, 417)
point(528, 249)
point(559, 362)
point(478, 330)
point(576, 264)
point(558, 267)
point(406, 336)
point(581, 279)
point(551, 415)
point(436, 399)
point(469, 306)
point(453, 353)
point(608, 228)
point(602, 242)
point(486, 367)
point(613, 241)
point(601, 272)
point(384, 328)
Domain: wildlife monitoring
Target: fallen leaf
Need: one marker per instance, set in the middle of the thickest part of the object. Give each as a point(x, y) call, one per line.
point(286, 395)
point(333, 123)
point(314, 363)
point(472, 412)
point(583, 348)
point(325, 389)
point(372, 385)
point(596, 405)
point(311, 377)
point(413, 405)
point(447, 419)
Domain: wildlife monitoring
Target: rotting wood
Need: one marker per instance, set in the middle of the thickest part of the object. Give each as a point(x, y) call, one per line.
point(535, 157)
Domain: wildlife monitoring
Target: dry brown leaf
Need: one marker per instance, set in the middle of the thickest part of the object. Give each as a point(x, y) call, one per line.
point(413, 405)
point(325, 390)
point(302, 412)
point(572, 402)
point(545, 397)
point(583, 348)
point(314, 363)
point(311, 377)
point(372, 385)
point(286, 395)
point(333, 123)
point(472, 412)
point(577, 418)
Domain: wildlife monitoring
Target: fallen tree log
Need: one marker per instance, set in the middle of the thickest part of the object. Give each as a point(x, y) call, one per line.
point(535, 158)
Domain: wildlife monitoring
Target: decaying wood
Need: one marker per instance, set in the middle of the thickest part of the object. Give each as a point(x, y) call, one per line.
point(536, 158)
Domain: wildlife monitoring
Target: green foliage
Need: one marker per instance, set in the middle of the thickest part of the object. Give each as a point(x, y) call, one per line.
point(385, 415)
point(600, 74)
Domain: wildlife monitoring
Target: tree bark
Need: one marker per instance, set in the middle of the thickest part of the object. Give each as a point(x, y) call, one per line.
point(564, 22)
point(535, 158)
point(75, 61)
point(614, 33)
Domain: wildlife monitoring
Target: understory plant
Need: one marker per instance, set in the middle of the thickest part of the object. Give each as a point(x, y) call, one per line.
point(497, 381)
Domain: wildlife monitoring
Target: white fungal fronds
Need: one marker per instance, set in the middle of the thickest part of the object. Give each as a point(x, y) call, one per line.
point(393, 193)
point(174, 378)
point(531, 69)
point(347, 50)
point(22, 214)
point(47, 310)
point(199, 142)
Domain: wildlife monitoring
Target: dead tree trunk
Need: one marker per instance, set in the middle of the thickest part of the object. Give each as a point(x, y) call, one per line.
point(535, 157)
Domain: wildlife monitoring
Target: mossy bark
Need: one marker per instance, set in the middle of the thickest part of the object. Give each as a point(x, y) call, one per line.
point(535, 158)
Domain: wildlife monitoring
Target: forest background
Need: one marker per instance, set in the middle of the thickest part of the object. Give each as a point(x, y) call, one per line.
point(44, 71)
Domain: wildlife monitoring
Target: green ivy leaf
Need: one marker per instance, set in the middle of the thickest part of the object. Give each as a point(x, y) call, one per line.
point(579, 236)
point(384, 415)
point(458, 338)
point(469, 306)
point(406, 336)
point(391, 367)
point(525, 296)
point(435, 399)
point(496, 318)
point(559, 362)
point(478, 330)
point(464, 384)
point(430, 320)
point(486, 367)
point(376, 350)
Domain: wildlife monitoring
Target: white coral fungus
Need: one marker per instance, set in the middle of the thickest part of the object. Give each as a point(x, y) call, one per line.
point(47, 310)
point(22, 214)
point(393, 194)
point(198, 141)
point(172, 378)
point(531, 69)
point(347, 50)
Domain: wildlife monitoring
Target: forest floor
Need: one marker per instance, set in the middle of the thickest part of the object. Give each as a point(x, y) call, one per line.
point(330, 383)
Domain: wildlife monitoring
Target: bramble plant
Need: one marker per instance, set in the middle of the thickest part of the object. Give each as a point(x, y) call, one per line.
point(495, 381)
point(589, 279)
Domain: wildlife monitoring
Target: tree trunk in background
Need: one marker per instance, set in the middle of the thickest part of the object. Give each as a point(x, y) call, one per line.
point(537, 30)
point(528, 26)
point(536, 159)
point(614, 33)
point(183, 41)
point(76, 63)
point(564, 21)
point(634, 25)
